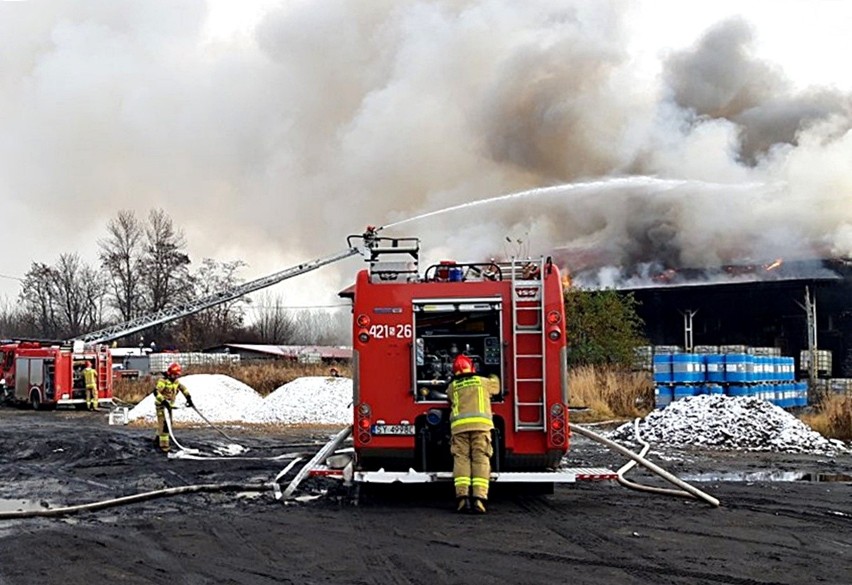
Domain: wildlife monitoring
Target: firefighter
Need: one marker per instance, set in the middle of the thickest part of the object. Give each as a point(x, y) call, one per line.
point(470, 425)
point(164, 398)
point(90, 379)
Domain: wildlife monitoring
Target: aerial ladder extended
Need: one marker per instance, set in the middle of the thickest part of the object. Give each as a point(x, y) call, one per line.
point(171, 313)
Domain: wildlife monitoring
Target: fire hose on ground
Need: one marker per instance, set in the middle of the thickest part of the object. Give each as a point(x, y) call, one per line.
point(631, 464)
point(196, 454)
point(656, 469)
point(150, 495)
point(135, 498)
point(686, 490)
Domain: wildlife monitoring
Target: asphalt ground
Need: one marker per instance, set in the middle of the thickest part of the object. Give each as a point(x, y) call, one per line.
point(765, 532)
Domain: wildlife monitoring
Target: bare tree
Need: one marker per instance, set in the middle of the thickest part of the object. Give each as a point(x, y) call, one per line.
point(273, 323)
point(80, 292)
point(64, 300)
point(122, 256)
point(12, 322)
point(38, 301)
point(165, 275)
point(220, 322)
point(320, 327)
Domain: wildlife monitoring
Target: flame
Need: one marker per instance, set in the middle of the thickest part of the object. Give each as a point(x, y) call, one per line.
point(666, 276)
point(775, 264)
point(566, 280)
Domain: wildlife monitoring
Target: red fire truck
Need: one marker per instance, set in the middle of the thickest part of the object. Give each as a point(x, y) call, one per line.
point(407, 329)
point(48, 376)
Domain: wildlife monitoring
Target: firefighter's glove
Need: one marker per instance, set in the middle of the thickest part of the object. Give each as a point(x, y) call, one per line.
point(189, 402)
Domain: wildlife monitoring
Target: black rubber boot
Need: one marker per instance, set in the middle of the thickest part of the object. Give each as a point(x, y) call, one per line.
point(478, 506)
point(462, 504)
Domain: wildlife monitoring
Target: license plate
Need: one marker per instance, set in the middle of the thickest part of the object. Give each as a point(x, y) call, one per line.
point(393, 429)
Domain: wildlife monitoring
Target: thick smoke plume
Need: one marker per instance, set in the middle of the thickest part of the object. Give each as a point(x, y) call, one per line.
point(328, 116)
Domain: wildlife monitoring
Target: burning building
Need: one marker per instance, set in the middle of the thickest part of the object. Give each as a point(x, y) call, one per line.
point(760, 305)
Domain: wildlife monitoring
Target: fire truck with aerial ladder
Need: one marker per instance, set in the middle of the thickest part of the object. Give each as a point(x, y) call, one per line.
point(408, 327)
point(47, 374)
point(508, 317)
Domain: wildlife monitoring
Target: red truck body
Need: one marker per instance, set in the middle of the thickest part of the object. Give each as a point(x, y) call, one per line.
point(407, 329)
point(50, 376)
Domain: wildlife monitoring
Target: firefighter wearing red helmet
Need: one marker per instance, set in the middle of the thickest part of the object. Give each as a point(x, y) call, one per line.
point(471, 425)
point(90, 379)
point(164, 398)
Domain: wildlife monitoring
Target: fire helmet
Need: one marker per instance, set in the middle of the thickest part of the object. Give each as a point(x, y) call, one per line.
point(462, 365)
point(174, 370)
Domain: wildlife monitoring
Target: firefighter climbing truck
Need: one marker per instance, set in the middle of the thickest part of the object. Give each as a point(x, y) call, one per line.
point(508, 317)
point(46, 376)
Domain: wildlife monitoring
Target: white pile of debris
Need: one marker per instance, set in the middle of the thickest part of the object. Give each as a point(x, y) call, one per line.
point(317, 400)
point(729, 423)
point(312, 400)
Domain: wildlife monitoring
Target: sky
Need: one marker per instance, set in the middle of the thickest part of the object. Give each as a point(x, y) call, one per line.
point(700, 133)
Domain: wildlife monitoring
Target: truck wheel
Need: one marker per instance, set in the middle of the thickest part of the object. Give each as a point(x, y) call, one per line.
point(35, 400)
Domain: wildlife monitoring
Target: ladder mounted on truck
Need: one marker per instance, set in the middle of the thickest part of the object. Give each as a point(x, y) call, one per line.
point(528, 339)
point(368, 240)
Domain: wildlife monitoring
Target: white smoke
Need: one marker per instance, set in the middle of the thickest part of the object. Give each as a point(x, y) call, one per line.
point(272, 146)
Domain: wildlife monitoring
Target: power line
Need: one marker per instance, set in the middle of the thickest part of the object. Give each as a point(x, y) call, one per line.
point(11, 277)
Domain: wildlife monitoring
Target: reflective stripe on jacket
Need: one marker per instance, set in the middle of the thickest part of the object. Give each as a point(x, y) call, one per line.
point(89, 378)
point(470, 402)
point(167, 390)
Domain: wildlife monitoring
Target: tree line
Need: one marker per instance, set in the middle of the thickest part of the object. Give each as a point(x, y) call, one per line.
point(144, 268)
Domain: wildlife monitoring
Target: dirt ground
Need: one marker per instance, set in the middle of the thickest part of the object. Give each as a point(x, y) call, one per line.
point(765, 532)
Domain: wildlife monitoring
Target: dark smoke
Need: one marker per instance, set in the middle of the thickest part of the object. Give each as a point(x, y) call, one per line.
point(327, 116)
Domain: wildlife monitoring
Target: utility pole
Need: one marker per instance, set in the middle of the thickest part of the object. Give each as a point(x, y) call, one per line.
point(687, 329)
point(810, 313)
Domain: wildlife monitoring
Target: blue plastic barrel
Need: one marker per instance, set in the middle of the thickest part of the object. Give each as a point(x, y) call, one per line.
point(771, 368)
point(663, 368)
point(756, 369)
point(682, 391)
point(712, 389)
point(686, 368)
point(736, 368)
point(789, 394)
point(789, 368)
point(738, 390)
point(802, 394)
point(714, 364)
point(662, 396)
point(777, 394)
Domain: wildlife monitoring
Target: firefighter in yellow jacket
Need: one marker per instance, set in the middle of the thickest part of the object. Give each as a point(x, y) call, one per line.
point(164, 398)
point(90, 378)
point(470, 425)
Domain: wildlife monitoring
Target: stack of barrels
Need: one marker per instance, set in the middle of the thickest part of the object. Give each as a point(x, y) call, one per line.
point(745, 372)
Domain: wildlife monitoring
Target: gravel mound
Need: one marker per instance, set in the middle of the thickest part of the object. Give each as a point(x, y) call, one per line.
point(311, 399)
point(729, 423)
point(220, 398)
